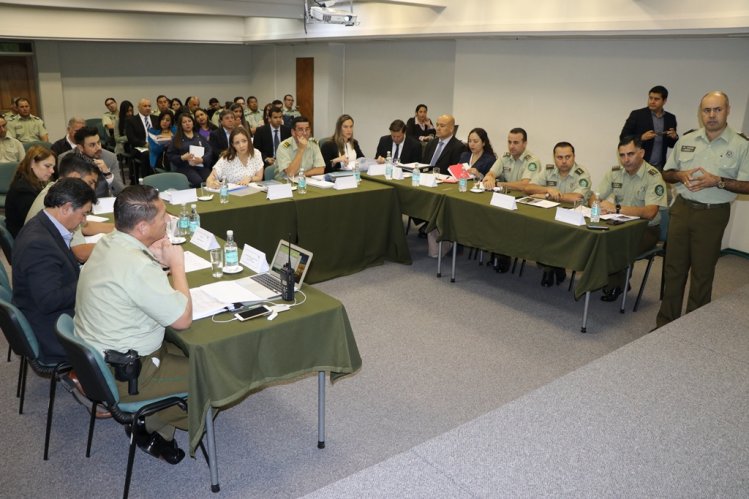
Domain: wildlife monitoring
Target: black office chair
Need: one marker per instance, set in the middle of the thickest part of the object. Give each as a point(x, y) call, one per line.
point(658, 250)
point(23, 341)
point(6, 241)
point(7, 171)
point(99, 384)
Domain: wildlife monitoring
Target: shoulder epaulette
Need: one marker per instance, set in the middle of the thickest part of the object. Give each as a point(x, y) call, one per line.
point(653, 171)
point(313, 140)
point(741, 134)
point(616, 168)
point(506, 155)
point(549, 167)
point(689, 131)
point(286, 144)
point(579, 171)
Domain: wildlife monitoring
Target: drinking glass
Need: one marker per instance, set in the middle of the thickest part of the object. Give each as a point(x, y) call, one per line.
point(217, 262)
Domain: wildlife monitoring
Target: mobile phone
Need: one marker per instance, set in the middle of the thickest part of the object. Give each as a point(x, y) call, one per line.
point(253, 312)
point(598, 227)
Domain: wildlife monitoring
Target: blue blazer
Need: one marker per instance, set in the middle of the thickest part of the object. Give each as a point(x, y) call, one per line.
point(45, 276)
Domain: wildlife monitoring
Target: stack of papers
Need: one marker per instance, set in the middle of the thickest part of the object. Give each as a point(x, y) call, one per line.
point(213, 298)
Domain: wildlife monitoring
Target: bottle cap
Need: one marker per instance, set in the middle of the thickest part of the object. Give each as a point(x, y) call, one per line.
point(229, 233)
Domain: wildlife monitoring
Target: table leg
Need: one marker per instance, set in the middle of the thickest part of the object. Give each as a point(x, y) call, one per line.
point(439, 259)
point(455, 256)
point(321, 410)
point(584, 328)
point(211, 438)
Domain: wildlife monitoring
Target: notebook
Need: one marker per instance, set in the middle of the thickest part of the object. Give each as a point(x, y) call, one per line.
point(268, 285)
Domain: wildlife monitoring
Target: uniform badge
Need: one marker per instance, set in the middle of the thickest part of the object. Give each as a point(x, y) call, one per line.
point(729, 154)
point(551, 183)
point(579, 171)
point(688, 148)
point(616, 185)
point(532, 167)
point(583, 182)
point(659, 190)
point(549, 167)
point(653, 172)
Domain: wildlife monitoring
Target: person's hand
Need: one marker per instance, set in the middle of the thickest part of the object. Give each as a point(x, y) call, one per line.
point(270, 161)
point(212, 182)
point(195, 160)
point(380, 160)
point(489, 181)
point(553, 194)
point(649, 135)
point(302, 142)
point(672, 133)
point(698, 178)
point(245, 181)
point(186, 157)
point(167, 254)
point(101, 165)
point(607, 207)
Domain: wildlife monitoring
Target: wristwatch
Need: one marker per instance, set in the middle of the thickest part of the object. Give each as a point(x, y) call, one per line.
point(721, 183)
point(109, 173)
point(618, 208)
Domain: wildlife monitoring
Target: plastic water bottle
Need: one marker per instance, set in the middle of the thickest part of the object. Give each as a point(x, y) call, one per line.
point(389, 167)
point(184, 222)
point(357, 172)
point(301, 182)
point(416, 177)
point(462, 184)
point(194, 219)
point(223, 192)
point(231, 255)
point(595, 210)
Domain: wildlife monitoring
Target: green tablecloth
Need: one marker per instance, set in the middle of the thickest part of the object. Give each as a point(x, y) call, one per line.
point(347, 231)
point(229, 361)
point(350, 230)
point(529, 232)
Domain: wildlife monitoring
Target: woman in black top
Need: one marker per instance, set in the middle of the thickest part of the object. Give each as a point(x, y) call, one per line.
point(32, 174)
point(196, 168)
point(480, 155)
point(420, 126)
point(342, 148)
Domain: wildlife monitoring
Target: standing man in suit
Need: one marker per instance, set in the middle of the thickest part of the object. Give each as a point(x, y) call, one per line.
point(219, 138)
point(445, 149)
point(45, 271)
point(401, 147)
point(269, 137)
point(136, 130)
point(655, 127)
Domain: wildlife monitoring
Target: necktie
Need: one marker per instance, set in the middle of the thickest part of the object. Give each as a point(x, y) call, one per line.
point(146, 123)
point(275, 141)
point(437, 153)
point(397, 150)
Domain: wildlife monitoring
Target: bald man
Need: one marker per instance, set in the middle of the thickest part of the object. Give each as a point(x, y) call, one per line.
point(136, 130)
point(445, 149)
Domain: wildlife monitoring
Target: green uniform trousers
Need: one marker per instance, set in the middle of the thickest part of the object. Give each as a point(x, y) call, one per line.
point(695, 233)
point(170, 377)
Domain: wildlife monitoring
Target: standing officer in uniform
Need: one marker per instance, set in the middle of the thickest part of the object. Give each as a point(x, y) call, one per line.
point(637, 189)
point(709, 167)
point(564, 181)
point(27, 127)
point(299, 151)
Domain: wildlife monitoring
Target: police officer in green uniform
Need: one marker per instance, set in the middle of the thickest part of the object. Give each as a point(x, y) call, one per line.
point(253, 115)
point(635, 188)
point(299, 151)
point(27, 127)
point(564, 181)
point(709, 167)
point(517, 166)
point(11, 149)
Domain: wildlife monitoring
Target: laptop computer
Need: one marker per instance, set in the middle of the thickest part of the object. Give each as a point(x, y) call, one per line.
point(268, 284)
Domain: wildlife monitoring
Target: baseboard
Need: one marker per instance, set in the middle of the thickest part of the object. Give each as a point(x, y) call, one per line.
point(729, 251)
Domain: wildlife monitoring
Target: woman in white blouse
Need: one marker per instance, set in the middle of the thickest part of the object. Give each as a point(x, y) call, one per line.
point(240, 164)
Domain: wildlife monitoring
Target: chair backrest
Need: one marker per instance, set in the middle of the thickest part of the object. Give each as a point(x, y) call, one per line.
point(6, 241)
point(7, 170)
point(29, 145)
point(168, 180)
point(270, 172)
point(17, 331)
point(664, 224)
point(6, 291)
point(93, 373)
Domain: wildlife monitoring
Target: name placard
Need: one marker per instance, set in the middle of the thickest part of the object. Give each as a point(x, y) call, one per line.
point(185, 196)
point(279, 191)
point(503, 201)
point(428, 180)
point(397, 173)
point(571, 217)
point(204, 240)
point(343, 183)
point(376, 169)
point(254, 259)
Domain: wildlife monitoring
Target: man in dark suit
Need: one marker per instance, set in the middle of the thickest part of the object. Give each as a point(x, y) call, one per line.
point(265, 136)
point(445, 149)
point(45, 272)
point(136, 130)
point(67, 143)
point(219, 138)
point(655, 127)
point(401, 147)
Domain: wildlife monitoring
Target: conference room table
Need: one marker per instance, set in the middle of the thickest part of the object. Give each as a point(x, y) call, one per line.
point(529, 233)
point(346, 230)
point(229, 361)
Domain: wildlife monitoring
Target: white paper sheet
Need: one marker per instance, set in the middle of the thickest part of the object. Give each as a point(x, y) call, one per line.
point(104, 205)
point(194, 262)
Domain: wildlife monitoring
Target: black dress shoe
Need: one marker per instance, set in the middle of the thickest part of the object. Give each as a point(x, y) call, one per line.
point(167, 450)
point(548, 278)
point(611, 294)
point(561, 275)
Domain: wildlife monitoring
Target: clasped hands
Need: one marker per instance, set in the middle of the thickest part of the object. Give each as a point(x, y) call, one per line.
point(167, 254)
point(191, 159)
point(697, 179)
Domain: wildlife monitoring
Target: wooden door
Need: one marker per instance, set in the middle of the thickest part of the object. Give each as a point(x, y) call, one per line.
point(305, 88)
point(17, 79)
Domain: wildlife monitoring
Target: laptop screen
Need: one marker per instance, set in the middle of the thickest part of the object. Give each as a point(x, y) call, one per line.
point(299, 260)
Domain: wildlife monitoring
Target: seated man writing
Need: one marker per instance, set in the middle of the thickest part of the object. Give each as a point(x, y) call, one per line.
point(125, 300)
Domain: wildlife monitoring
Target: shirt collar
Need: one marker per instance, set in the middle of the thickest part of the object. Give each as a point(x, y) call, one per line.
point(67, 236)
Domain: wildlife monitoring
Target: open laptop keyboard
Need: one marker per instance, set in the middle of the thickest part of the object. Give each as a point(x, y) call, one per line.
point(268, 281)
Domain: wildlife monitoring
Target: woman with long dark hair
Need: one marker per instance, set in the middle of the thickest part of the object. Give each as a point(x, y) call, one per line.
point(186, 161)
point(342, 149)
point(32, 174)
